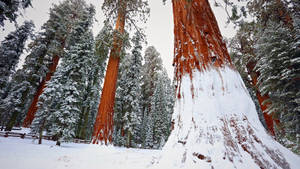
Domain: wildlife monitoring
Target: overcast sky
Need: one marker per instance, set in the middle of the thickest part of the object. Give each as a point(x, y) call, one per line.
point(159, 28)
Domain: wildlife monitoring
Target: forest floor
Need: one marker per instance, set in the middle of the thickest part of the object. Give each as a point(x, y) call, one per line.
point(16, 153)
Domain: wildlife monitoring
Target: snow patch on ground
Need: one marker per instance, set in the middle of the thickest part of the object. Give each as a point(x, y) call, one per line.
point(16, 153)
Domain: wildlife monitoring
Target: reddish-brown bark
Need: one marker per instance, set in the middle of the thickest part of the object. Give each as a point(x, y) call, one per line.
point(103, 127)
point(33, 107)
point(198, 41)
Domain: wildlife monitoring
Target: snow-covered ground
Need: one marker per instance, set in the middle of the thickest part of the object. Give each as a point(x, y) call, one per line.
point(16, 153)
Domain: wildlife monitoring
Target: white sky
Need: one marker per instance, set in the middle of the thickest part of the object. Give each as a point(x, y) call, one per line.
point(159, 28)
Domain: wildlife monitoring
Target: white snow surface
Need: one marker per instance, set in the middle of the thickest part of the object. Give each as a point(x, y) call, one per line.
point(16, 153)
point(213, 129)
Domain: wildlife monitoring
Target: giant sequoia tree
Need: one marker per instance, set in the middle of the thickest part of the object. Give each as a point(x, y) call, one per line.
point(124, 10)
point(215, 121)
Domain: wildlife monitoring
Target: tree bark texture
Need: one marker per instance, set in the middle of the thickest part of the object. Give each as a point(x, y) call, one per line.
point(103, 127)
point(198, 41)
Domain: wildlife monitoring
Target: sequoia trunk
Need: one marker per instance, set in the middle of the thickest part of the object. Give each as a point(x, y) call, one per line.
point(103, 127)
point(215, 121)
point(33, 107)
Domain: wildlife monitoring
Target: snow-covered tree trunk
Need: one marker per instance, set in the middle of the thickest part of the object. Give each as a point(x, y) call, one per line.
point(103, 127)
point(216, 124)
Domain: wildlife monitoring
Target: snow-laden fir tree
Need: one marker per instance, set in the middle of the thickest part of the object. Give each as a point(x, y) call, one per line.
point(242, 55)
point(119, 134)
point(93, 89)
point(75, 17)
point(10, 9)
point(161, 109)
point(18, 101)
point(128, 101)
point(157, 101)
point(129, 95)
point(158, 112)
point(148, 141)
point(279, 70)
point(60, 105)
point(266, 49)
point(152, 65)
point(70, 17)
point(11, 49)
point(159, 118)
point(21, 86)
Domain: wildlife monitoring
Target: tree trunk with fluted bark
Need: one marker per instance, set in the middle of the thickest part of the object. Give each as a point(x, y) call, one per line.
point(103, 127)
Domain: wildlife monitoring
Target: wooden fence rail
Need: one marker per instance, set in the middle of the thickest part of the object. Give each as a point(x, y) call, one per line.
point(32, 136)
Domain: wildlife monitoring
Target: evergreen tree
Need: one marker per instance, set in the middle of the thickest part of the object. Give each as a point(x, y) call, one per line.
point(95, 78)
point(61, 102)
point(279, 70)
point(128, 107)
point(149, 133)
point(157, 101)
point(151, 67)
point(9, 10)
point(161, 110)
point(21, 87)
point(243, 56)
point(267, 50)
point(158, 112)
point(120, 103)
point(67, 22)
point(10, 51)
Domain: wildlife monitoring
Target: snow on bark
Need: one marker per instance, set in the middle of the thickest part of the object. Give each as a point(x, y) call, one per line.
point(215, 121)
point(219, 127)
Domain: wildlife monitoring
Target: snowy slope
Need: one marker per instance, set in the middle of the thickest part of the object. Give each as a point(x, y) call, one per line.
point(16, 153)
